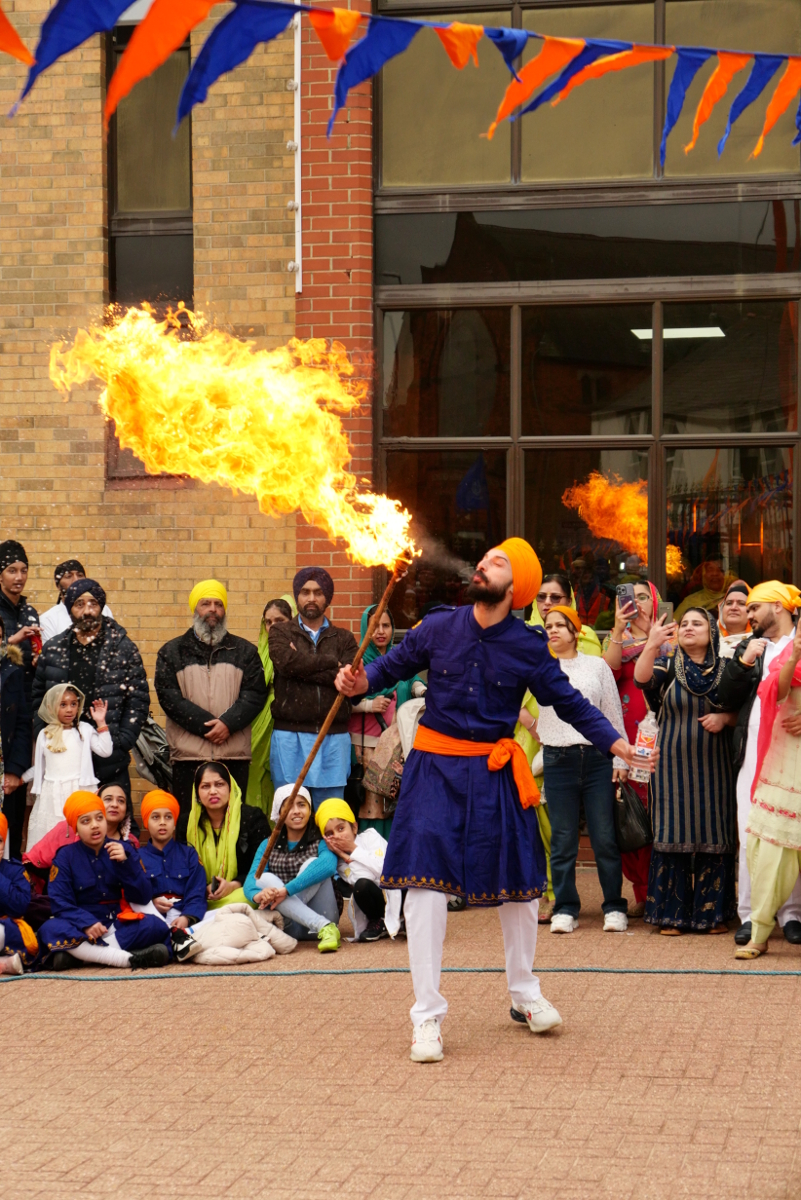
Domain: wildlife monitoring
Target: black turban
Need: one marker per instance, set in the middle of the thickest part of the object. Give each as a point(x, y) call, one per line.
point(70, 564)
point(11, 552)
point(319, 575)
point(79, 587)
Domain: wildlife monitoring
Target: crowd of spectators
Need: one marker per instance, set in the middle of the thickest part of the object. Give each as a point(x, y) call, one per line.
point(86, 879)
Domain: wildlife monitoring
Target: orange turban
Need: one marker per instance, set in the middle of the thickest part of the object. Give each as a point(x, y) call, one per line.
point(3, 826)
point(159, 799)
point(570, 613)
point(79, 804)
point(526, 571)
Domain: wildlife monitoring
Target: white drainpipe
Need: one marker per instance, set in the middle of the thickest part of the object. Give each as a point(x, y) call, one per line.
point(296, 265)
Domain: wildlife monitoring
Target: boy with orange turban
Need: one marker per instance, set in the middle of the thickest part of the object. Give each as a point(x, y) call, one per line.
point(93, 883)
point(465, 824)
point(18, 944)
point(176, 874)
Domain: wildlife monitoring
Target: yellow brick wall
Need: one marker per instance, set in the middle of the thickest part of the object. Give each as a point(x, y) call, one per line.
point(147, 543)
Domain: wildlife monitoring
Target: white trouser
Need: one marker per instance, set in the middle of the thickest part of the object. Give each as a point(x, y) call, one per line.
point(791, 910)
point(426, 916)
point(110, 955)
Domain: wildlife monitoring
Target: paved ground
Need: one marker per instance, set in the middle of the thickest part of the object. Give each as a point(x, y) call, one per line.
point(301, 1088)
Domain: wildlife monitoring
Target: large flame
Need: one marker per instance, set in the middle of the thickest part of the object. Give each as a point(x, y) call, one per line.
point(265, 422)
point(613, 509)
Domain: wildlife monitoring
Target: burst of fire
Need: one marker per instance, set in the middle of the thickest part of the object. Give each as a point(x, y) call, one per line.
point(618, 511)
point(264, 422)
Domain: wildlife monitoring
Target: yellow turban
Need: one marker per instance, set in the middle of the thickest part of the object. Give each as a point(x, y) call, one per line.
point(333, 808)
point(773, 592)
point(208, 589)
point(526, 571)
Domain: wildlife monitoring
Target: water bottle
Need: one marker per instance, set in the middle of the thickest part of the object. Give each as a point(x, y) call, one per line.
point(647, 733)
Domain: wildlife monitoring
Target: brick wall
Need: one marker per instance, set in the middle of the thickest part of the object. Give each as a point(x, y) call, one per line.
point(148, 543)
point(337, 299)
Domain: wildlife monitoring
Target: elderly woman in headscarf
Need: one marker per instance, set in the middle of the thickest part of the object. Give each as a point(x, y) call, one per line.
point(714, 584)
point(373, 715)
point(691, 881)
point(224, 831)
point(260, 783)
point(554, 589)
point(733, 623)
point(621, 649)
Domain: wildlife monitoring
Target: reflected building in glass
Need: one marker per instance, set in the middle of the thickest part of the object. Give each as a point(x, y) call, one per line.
point(574, 344)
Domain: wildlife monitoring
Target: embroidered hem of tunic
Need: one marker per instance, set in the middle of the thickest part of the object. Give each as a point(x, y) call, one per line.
point(774, 841)
point(692, 848)
point(473, 899)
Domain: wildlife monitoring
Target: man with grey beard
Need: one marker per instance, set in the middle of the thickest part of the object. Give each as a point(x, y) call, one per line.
point(211, 687)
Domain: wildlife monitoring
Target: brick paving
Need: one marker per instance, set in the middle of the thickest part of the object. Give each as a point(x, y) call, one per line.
point(301, 1088)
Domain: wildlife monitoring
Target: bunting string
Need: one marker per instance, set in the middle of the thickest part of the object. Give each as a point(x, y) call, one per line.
point(361, 44)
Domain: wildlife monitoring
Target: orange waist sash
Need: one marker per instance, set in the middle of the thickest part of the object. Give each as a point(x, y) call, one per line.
point(498, 755)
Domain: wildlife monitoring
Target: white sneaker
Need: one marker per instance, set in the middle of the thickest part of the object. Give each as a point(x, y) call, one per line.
point(540, 1015)
point(427, 1042)
point(616, 922)
point(563, 923)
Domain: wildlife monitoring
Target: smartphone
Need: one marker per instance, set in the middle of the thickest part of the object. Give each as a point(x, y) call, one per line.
point(625, 595)
point(664, 609)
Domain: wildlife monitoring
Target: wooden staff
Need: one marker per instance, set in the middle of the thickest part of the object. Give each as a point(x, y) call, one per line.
point(398, 573)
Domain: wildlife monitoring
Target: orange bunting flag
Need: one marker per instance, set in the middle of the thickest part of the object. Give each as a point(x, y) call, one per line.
point(555, 54)
point(729, 64)
point(786, 89)
point(164, 29)
point(335, 29)
point(614, 62)
point(460, 42)
point(12, 43)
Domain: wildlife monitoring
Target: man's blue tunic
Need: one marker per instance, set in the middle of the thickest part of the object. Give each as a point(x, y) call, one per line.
point(459, 827)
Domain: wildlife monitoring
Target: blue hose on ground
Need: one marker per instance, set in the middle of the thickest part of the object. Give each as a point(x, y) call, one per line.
point(220, 974)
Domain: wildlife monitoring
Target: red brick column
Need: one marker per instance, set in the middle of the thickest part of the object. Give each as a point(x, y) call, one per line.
point(337, 298)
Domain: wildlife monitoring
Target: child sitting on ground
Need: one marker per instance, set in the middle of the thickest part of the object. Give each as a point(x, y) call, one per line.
point(92, 885)
point(63, 757)
point(373, 914)
point(18, 944)
point(176, 874)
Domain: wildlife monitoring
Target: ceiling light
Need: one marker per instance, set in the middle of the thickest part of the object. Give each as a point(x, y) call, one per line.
point(688, 332)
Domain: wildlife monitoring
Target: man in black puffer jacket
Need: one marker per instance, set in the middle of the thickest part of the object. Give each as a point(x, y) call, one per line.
point(97, 656)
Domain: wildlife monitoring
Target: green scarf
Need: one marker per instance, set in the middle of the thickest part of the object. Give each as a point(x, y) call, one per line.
point(260, 785)
point(402, 690)
point(218, 856)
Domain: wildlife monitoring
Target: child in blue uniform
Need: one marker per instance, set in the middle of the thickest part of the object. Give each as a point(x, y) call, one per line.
point(18, 945)
point(176, 874)
point(92, 885)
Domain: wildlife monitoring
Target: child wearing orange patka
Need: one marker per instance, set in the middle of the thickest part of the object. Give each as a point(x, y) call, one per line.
point(92, 885)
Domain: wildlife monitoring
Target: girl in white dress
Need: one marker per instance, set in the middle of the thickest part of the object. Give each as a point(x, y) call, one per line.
point(63, 759)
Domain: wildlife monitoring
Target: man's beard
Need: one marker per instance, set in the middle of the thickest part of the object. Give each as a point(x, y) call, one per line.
point(88, 624)
point(485, 593)
point(212, 635)
point(312, 611)
point(761, 631)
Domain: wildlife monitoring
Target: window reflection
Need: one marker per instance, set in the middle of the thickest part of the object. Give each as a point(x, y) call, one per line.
point(730, 516)
point(459, 502)
point(588, 243)
point(446, 373)
point(585, 371)
point(731, 367)
point(144, 122)
point(599, 542)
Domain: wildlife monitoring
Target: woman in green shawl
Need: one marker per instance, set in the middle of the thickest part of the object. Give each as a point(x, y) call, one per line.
point(260, 784)
point(554, 589)
point(373, 714)
point(225, 832)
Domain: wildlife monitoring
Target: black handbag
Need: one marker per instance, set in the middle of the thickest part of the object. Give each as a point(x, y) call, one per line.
point(355, 791)
point(633, 828)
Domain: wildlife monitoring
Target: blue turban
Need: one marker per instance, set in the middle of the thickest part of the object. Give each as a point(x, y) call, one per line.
point(319, 575)
point(79, 587)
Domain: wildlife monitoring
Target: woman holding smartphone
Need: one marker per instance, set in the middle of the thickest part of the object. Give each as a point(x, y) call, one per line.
point(621, 649)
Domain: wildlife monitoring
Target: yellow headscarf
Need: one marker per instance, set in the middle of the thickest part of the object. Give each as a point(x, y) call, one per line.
point(774, 592)
point(48, 711)
point(218, 856)
point(333, 808)
point(208, 589)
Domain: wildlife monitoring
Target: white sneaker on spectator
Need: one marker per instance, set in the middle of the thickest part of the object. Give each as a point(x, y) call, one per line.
point(540, 1015)
point(427, 1042)
point(563, 923)
point(616, 922)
